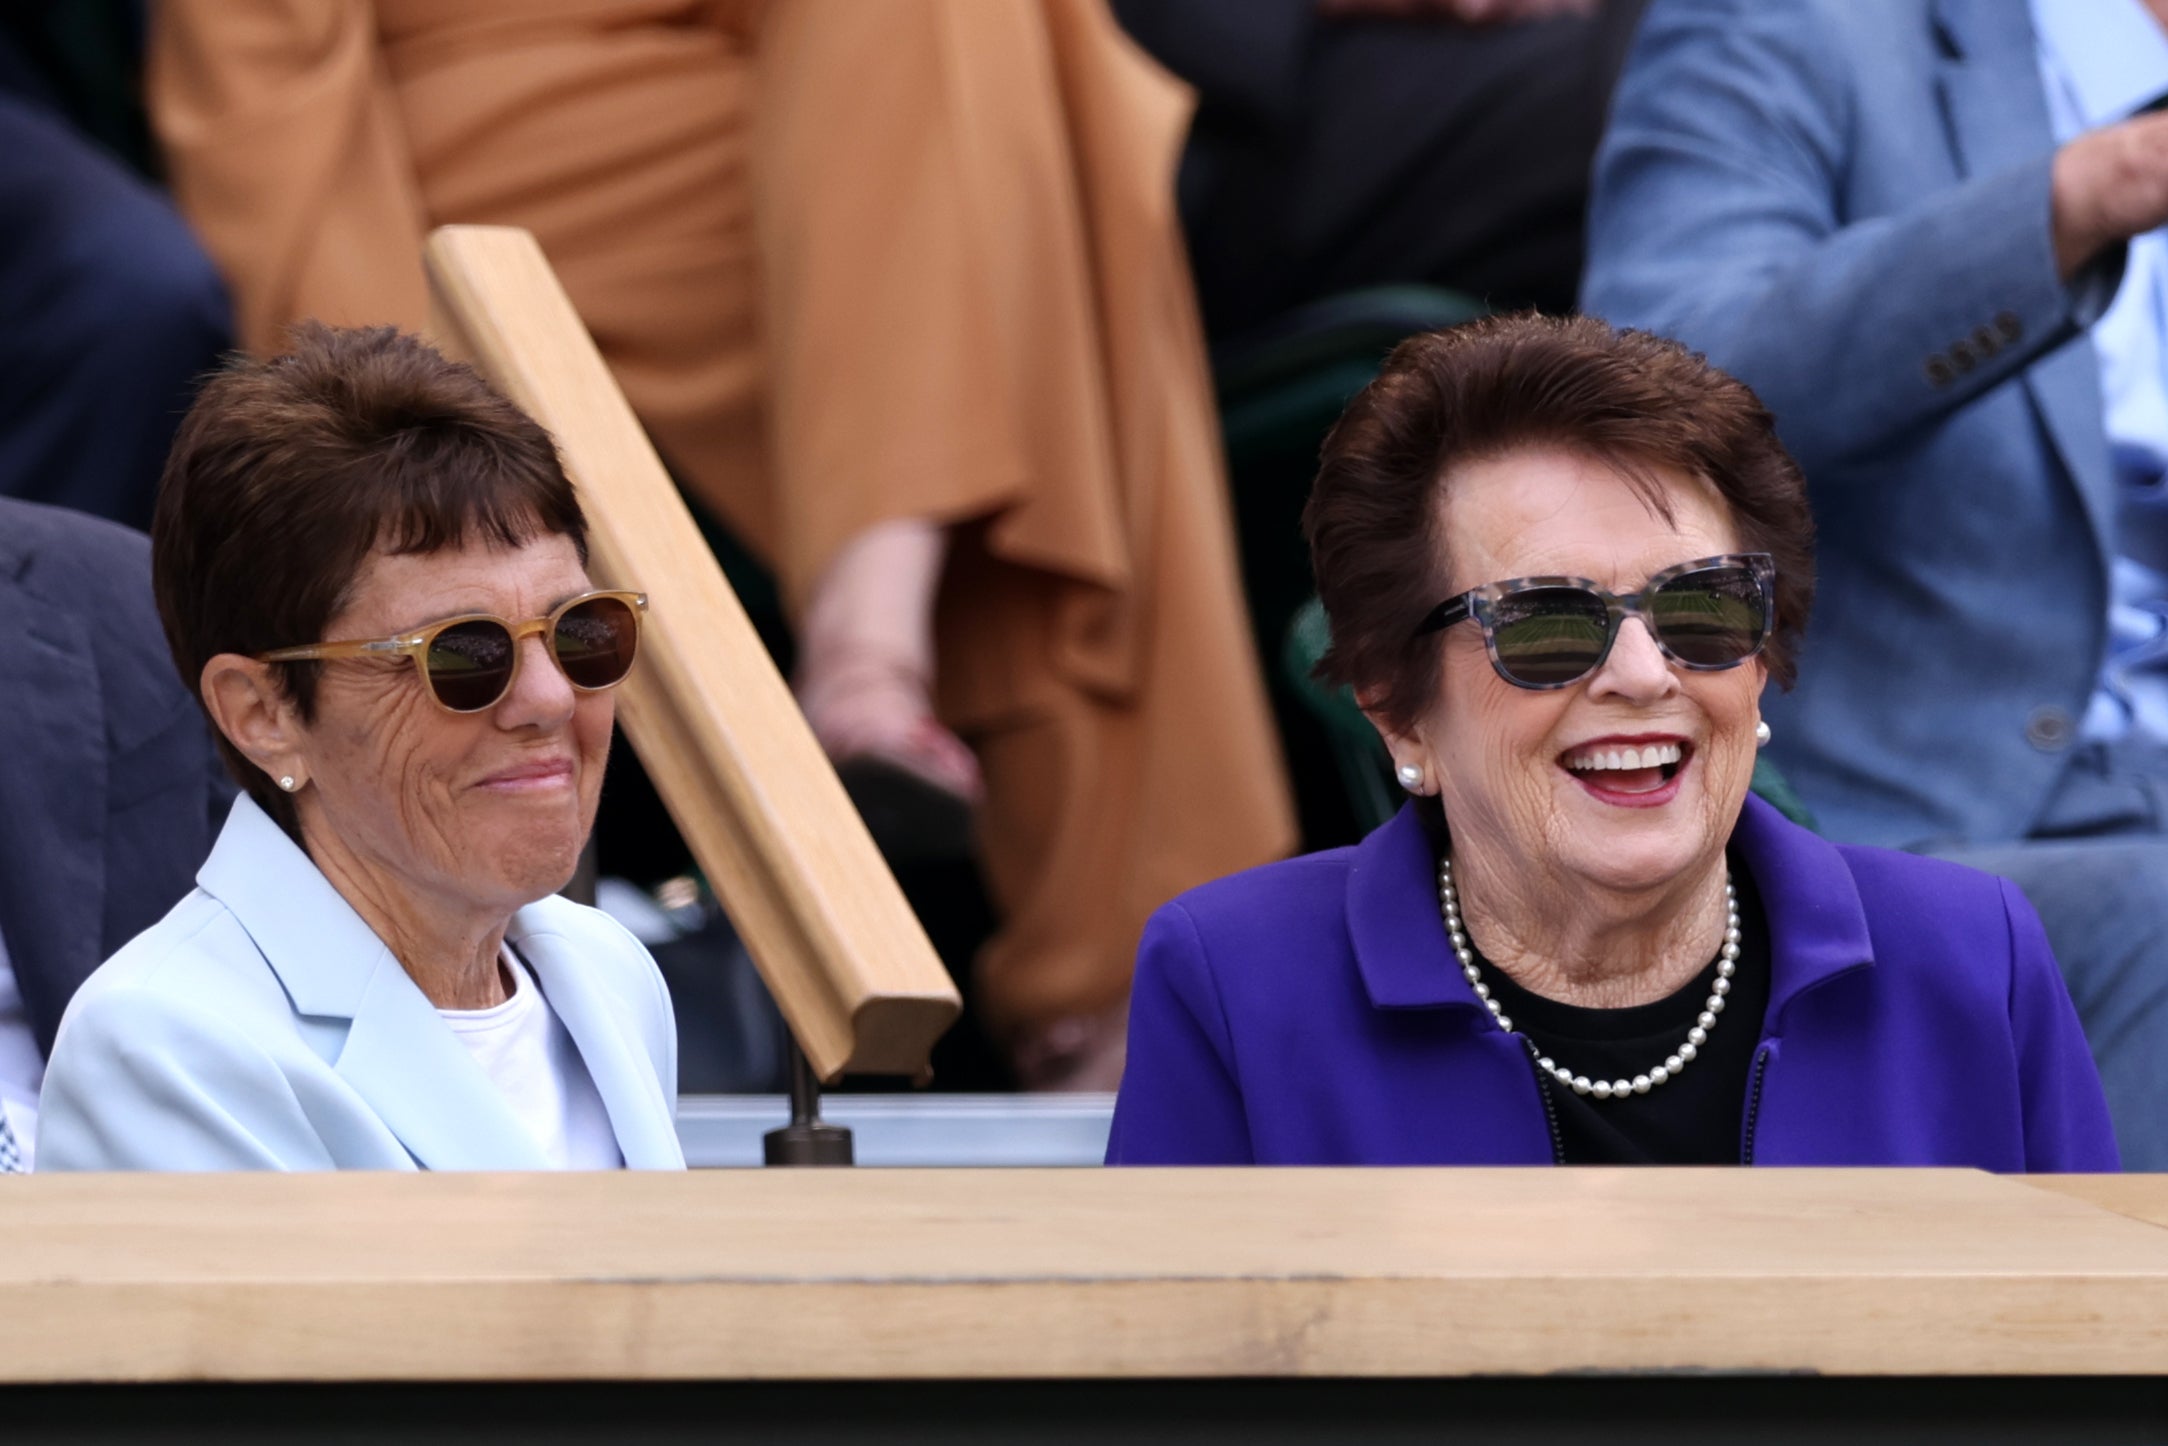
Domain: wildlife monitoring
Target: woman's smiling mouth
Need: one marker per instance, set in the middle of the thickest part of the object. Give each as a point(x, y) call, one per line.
point(1638, 772)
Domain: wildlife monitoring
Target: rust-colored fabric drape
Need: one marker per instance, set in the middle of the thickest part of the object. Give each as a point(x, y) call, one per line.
point(851, 260)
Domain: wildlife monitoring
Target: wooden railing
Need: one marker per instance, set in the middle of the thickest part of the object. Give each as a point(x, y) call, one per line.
point(968, 1274)
point(712, 720)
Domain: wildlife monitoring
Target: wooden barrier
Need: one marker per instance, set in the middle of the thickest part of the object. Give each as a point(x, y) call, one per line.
point(712, 720)
point(1035, 1274)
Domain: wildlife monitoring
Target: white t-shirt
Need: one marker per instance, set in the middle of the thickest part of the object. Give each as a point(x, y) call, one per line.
point(526, 1049)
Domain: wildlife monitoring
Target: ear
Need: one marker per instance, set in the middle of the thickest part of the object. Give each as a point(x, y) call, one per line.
point(245, 700)
point(1407, 749)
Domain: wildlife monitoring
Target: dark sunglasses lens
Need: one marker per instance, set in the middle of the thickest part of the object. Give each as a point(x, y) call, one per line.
point(1712, 618)
point(470, 665)
point(1549, 635)
point(596, 641)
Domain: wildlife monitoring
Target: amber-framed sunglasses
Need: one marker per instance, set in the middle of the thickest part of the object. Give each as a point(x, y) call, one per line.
point(468, 662)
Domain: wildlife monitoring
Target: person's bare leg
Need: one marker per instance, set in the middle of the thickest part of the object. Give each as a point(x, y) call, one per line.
point(866, 656)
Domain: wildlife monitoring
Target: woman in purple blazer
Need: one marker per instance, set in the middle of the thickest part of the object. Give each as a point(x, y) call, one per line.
point(1561, 563)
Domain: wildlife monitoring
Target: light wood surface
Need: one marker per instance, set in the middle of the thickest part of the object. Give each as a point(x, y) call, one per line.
point(712, 720)
point(2141, 1197)
point(986, 1274)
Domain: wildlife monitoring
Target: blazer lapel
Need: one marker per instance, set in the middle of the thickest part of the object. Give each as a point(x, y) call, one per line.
point(640, 1114)
point(405, 1061)
point(1392, 921)
point(1989, 83)
point(52, 811)
point(399, 1055)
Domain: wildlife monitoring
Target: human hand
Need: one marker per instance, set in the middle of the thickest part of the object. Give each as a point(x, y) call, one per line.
point(1465, 12)
point(2108, 185)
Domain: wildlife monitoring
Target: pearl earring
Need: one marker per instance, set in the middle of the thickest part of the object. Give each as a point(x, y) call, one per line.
point(1761, 734)
point(286, 781)
point(1411, 777)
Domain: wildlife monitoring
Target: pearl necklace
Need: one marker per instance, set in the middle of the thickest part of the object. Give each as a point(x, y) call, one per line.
point(1603, 1089)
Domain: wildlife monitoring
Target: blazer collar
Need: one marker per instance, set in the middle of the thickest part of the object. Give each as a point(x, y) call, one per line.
point(1392, 920)
point(1817, 924)
point(399, 1055)
point(1988, 79)
point(624, 1075)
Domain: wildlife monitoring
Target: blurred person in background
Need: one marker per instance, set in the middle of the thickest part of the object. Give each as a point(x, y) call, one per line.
point(1343, 144)
point(109, 306)
point(376, 568)
point(898, 290)
point(110, 790)
point(1927, 232)
point(1562, 564)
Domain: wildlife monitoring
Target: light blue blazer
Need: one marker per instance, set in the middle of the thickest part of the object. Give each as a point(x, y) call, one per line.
point(262, 1025)
point(1845, 203)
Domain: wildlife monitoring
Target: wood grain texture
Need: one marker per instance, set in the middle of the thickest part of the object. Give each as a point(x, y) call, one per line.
point(713, 721)
point(1009, 1274)
point(2141, 1197)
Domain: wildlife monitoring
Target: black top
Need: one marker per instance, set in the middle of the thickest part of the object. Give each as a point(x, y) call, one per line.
point(1695, 1118)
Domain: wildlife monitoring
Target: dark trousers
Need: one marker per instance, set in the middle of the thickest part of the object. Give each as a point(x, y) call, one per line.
point(1399, 151)
point(109, 311)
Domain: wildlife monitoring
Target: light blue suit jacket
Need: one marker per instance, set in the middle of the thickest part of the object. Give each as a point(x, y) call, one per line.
point(263, 1025)
point(1845, 203)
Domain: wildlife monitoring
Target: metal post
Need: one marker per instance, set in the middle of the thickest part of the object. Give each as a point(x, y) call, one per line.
point(806, 1140)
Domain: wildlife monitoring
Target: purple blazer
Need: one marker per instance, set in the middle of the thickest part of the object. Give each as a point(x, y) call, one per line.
point(1310, 1013)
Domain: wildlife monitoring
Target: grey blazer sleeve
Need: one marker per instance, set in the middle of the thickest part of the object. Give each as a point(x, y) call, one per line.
point(1716, 220)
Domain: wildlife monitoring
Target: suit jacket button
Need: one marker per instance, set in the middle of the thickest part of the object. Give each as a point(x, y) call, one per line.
point(1938, 371)
point(1961, 357)
point(2007, 323)
point(2050, 729)
point(1985, 341)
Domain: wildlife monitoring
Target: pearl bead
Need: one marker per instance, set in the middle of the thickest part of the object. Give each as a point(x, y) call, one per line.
point(1716, 1004)
point(1642, 1083)
point(1687, 1052)
point(1482, 990)
point(1659, 1074)
point(1505, 1024)
point(1546, 1066)
point(1601, 1089)
point(1697, 1035)
point(1581, 1086)
point(1673, 1065)
point(1721, 988)
point(1727, 969)
point(1706, 1019)
point(1731, 934)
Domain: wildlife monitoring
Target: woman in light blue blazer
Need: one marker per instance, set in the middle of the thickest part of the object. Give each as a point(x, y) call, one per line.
point(374, 568)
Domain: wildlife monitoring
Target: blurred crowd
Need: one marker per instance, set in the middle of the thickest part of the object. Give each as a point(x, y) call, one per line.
point(977, 333)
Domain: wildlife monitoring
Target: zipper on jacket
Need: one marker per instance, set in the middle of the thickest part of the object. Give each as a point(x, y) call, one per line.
point(1753, 1104)
point(1550, 1110)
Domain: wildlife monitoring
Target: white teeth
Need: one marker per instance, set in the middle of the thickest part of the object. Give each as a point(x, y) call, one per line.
point(1655, 755)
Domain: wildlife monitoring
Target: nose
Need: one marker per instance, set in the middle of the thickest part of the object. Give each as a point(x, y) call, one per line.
point(1637, 670)
point(540, 696)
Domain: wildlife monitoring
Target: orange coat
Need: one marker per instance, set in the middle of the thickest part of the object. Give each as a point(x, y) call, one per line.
point(852, 261)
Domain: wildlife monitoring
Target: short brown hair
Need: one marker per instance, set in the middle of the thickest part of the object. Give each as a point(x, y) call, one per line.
point(289, 471)
point(1503, 384)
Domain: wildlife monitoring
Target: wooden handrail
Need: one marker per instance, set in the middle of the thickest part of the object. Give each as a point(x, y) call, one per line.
point(713, 721)
point(1043, 1274)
